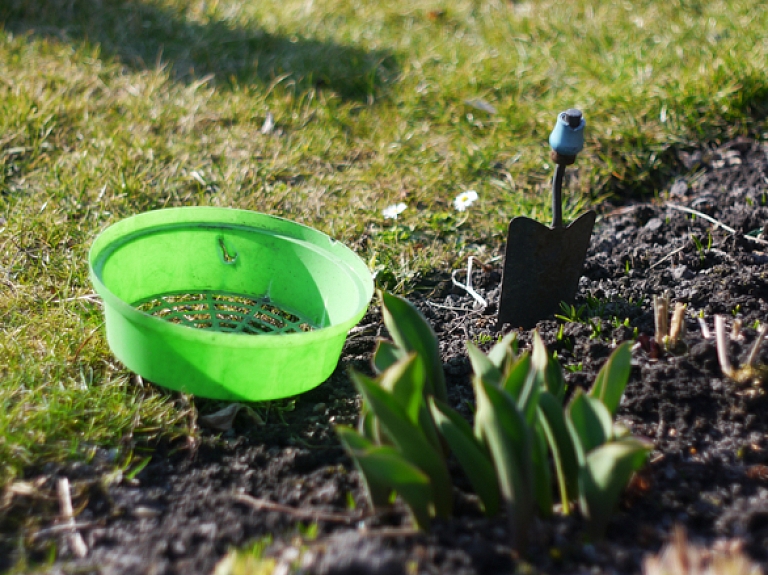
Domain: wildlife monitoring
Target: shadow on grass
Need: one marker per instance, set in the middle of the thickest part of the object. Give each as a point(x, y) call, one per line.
point(144, 34)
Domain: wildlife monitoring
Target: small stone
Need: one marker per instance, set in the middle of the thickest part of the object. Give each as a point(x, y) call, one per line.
point(143, 512)
point(679, 189)
point(653, 225)
point(319, 408)
point(683, 273)
point(290, 555)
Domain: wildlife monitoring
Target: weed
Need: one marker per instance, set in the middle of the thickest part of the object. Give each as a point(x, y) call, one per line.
point(248, 561)
point(482, 339)
point(308, 531)
point(575, 368)
point(572, 314)
point(584, 314)
point(564, 341)
point(700, 248)
point(617, 324)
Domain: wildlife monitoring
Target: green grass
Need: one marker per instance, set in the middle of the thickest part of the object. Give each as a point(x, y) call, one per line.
point(109, 108)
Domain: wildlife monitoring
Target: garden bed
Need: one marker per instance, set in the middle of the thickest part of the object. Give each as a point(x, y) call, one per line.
point(198, 498)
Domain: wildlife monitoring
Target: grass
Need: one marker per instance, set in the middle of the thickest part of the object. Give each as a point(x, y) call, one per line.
point(111, 107)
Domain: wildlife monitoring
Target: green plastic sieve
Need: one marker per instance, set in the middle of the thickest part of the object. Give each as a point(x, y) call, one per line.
point(227, 304)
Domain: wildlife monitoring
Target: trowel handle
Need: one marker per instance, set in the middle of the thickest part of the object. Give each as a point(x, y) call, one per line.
point(567, 140)
point(557, 196)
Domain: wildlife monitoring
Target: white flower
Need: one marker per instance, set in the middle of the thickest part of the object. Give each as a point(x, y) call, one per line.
point(391, 212)
point(464, 200)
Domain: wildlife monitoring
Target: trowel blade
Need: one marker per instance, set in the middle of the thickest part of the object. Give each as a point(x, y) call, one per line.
point(542, 267)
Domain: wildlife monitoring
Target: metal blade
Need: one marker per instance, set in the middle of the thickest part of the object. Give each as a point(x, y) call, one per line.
point(542, 267)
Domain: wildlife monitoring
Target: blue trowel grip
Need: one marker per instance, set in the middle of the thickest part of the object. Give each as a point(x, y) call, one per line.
point(567, 138)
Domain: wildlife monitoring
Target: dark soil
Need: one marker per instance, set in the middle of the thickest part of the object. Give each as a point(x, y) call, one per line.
point(708, 471)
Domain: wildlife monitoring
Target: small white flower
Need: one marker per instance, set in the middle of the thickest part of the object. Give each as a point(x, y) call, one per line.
point(464, 200)
point(391, 212)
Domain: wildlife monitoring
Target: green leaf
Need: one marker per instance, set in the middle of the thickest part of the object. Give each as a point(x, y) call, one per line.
point(131, 475)
point(613, 377)
point(482, 366)
point(472, 455)
point(555, 380)
point(542, 476)
point(605, 475)
point(539, 357)
point(405, 380)
point(368, 425)
point(390, 471)
point(409, 439)
point(549, 374)
point(386, 355)
point(508, 438)
point(427, 425)
point(552, 420)
point(539, 361)
point(502, 352)
point(591, 422)
point(522, 385)
point(411, 331)
point(516, 377)
point(378, 488)
point(529, 400)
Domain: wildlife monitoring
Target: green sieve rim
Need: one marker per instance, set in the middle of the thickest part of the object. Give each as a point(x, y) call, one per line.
point(148, 223)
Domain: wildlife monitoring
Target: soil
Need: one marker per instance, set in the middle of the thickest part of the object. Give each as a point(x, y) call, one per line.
point(708, 470)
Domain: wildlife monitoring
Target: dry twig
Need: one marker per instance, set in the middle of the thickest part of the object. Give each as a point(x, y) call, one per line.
point(302, 514)
point(680, 557)
point(751, 372)
point(661, 316)
point(668, 256)
point(705, 333)
point(79, 548)
point(468, 287)
point(704, 216)
point(669, 335)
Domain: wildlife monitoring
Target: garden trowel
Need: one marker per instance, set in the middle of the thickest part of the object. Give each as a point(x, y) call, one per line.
point(542, 265)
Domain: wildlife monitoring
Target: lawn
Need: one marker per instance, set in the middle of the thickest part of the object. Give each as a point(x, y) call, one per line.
point(325, 112)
